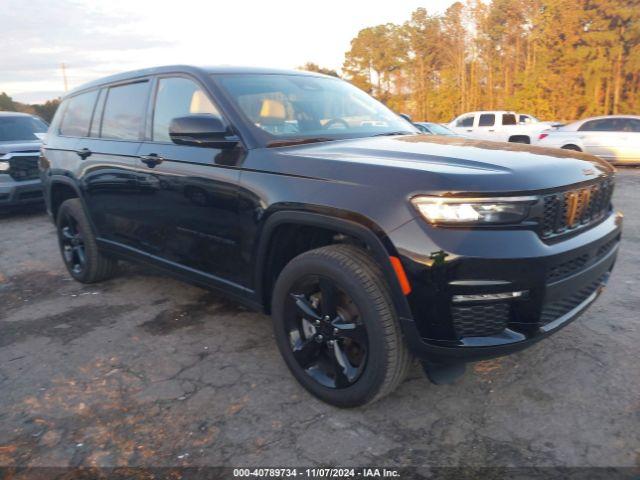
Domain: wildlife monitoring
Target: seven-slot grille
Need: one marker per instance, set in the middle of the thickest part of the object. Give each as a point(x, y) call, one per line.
point(23, 165)
point(572, 209)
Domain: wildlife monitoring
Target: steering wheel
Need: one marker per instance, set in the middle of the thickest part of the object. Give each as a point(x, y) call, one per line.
point(336, 124)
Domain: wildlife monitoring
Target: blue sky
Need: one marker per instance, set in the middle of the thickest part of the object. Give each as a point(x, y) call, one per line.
point(95, 38)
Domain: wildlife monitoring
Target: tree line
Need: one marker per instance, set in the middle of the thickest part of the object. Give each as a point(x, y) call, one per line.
point(45, 110)
point(556, 59)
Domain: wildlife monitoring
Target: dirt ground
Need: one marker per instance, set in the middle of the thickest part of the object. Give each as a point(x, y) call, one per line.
point(144, 370)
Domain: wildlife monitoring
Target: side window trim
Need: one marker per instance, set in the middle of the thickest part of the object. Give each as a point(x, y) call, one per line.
point(148, 134)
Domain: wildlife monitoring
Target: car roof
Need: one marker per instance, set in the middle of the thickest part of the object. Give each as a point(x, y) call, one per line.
point(574, 125)
point(221, 70)
point(15, 114)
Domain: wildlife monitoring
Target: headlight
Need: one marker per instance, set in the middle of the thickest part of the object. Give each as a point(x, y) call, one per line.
point(4, 165)
point(440, 210)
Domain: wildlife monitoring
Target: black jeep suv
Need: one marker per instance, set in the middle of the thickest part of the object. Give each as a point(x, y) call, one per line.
point(299, 195)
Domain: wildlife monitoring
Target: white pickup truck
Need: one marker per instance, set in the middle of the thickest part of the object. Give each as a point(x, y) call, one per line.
point(499, 126)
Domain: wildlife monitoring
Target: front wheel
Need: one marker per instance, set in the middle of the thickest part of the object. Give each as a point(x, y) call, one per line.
point(336, 327)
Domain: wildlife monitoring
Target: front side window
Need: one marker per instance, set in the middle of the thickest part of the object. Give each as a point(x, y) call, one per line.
point(124, 111)
point(508, 119)
point(18, 128)
point(487, 120)
point(77, 116)
point(178, 97)
point(465, 121)
point(306, 107)
point(631, 125)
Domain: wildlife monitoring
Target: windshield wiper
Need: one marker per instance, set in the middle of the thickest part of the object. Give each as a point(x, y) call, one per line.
point(296, 141)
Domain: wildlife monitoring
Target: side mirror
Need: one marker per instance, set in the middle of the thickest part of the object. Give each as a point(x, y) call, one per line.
point(201, 131)
point(406, 116)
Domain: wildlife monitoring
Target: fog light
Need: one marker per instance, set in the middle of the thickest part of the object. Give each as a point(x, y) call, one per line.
point(488, 297)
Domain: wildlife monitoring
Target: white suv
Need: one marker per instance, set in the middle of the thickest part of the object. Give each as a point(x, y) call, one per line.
point(499, 126)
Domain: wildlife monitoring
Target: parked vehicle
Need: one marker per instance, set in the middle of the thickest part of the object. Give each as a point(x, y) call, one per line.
point(19, 151)
point(301, 196)
point(614, 138)
point(499, 126)
point(435, 129)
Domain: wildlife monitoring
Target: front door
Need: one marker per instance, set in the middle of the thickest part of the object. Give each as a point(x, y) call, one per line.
point(193, 212)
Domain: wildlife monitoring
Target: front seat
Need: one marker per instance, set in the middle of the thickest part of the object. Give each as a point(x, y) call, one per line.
point(273, 115)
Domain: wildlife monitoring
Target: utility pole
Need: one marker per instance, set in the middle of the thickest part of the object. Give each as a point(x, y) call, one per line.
point(64, 77)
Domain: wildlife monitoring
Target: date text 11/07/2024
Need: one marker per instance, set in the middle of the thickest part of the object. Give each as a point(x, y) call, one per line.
point(312, 473)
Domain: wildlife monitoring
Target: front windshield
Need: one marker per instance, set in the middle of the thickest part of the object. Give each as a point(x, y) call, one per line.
point(438, 129)
point(306, 107)
point(19, 128)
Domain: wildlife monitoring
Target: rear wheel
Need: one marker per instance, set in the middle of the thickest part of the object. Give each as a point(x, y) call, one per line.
point(336, 328)
point(78, 245)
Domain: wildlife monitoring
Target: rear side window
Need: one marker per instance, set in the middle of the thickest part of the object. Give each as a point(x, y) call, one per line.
point(508, 119)
point(487, 120)
point(602, 125)
point(632, 125)
point(124, 111)
point(465, 121)
point(77, 115)
point(178, 97)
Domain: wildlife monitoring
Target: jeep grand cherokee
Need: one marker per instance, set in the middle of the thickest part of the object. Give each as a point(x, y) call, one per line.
point(301, 196)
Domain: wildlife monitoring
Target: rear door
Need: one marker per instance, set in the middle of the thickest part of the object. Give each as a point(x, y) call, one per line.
point(193, 211)
point(603, 137)
point(113, 187)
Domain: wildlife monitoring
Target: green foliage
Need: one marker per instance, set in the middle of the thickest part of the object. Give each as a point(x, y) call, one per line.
point(556, 59)
point(45, 110)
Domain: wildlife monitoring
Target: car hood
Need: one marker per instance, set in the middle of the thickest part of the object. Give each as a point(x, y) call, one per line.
point(6, 147)
point(440, 163)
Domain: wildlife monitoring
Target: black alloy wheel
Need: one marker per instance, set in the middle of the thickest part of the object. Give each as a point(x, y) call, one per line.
point(80, 253)
point(326, 335)
point(72, 244)
point(336, 327)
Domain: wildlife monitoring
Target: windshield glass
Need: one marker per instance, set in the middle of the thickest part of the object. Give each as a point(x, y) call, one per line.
point(305, 107)
point(438, 129)
point(17, 128)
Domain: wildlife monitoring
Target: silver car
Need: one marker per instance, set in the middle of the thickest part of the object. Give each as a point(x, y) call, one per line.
point(615, 138)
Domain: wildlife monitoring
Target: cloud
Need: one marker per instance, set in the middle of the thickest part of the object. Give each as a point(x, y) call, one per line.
point(38, 35)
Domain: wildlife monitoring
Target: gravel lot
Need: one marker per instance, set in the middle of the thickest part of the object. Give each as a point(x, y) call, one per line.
point(144, 370)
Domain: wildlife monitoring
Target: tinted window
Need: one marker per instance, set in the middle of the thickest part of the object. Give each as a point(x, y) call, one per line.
point(77, 116)
point(508, 119)
point(178, 97)
point(632, 125)
point(487, 120)
point(124, 111)
point(465, 121)
point(601, 125)
point(16, 128)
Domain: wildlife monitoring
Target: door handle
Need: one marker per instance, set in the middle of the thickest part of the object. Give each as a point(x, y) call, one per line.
point(469, 130)
point(491, 130)
point(84, 153)
point(151, 160)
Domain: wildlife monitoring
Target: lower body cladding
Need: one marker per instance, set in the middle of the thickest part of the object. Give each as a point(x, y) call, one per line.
point(14, 193)
point(479, 294)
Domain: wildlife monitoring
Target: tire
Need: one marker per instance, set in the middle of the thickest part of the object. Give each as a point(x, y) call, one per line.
point(74, 236)
point(575, 148)
point(356, 276)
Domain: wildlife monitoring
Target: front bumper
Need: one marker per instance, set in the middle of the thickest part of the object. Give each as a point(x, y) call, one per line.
point(560, 281)
point(16, 193)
